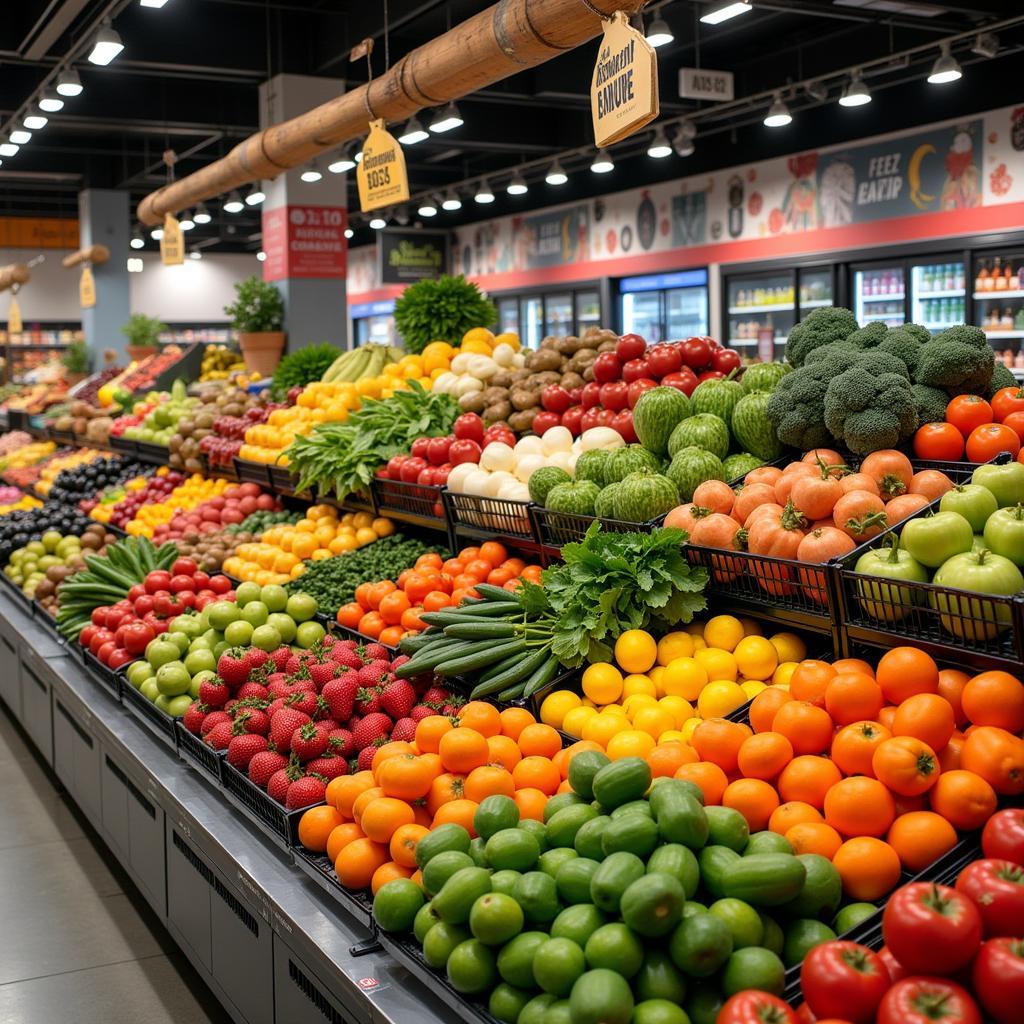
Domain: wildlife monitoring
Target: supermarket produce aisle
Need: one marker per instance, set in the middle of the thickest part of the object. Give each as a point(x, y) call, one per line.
point(78, 943)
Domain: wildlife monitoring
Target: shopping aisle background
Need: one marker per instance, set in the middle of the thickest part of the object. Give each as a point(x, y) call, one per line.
point(78, 942)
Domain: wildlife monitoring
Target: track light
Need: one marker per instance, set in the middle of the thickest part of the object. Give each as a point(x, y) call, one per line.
point(234, 204)
point(986, 44)
point(186, 223)
point(20, 137)
point(358, 157)
point(659, 33)
point(106, 46)
point(483, 194)
point(556, 174)
point(378, 221)
point(8, 148)
point(255, 196)
point(155, 4)
point(50, 102)
point(447, 119)
point(725, 12)
point(683, 144)
point(202, 215)
point(345, 162)
point(517, 186)
point(818, 91)
point(428, 208)
point(35, 121)
point(946, 67)
point(778, 115)
point(602, 162)
point(137, 242)
point(156, 234)
point(659, 147)
point(414, 132)
point(856, 93)
point(451, 201)
point(312, 174)
point(135, 265)
point(261, 256)
point(195, 254)
point(69, 84)
point(349, 233)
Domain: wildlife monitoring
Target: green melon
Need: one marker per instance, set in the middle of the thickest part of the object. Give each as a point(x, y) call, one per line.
point(752, 429)
point(705, 431)
point(718, 397)
point(631, 459)
point(593, 465)
point(604, 503)
point(691, 467)
point(643, 496)
point(738, 466)
point(576, 497)
point(763, 376)
point(543, 479)
point(656, 415)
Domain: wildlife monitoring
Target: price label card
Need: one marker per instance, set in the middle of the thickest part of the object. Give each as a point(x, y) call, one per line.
point(172, 245)
point(624, 92)
point(86, 288)
point(14, 317)
point(381, 174)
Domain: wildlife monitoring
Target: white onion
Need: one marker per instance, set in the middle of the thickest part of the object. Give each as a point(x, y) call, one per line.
point(557, 439)
point(504, 354)
point(460, 363)
point(466, 384)
point(476, 482)
point(496, 481)
point(562, 460)
point(445, 382)
point(601, 437)
point(519, 361)
point(498, 456)
point(457, 477)
point(482, 367)
point(529, 446)
point(528, 465)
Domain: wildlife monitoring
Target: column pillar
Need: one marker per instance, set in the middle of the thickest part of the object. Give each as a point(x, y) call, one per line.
point(104, 218)
point(304, 225)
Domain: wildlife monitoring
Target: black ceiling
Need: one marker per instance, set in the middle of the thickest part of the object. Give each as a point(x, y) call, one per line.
point(188, 79)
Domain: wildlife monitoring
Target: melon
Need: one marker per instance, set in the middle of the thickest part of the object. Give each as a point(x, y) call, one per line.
point(542, 480)
point(718, 397)
point(738, 466)
point(656, 415)
point(576, 498)
point(591, 465)
point(753, 431)
point(643, 496)
point(704, 430)
point(763, 376)
point(690, 467)
point(631, 459)
point(604, 503)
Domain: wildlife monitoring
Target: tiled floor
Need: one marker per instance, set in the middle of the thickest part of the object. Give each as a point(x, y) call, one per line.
point(77, 942)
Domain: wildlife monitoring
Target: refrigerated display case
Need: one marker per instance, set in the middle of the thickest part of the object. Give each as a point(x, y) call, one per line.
point(998, 293)
point(665, 307)
point(880, 293)
point(374, 321)
point(937, 293)
point(533, 316)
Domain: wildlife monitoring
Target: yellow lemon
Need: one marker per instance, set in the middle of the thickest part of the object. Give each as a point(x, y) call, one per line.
point(689, 727)
point(654, 721)
point(674, 645)
point(717, 663)
point(684, 677)
point(476, 347)
point(679, 707)
point(602, 728)
point(752, 687)
point(672, 736)
point(789, 646)
point(784, 672)
point(638, 684)
point(631, 705)
point(636, 650)
point(751, 627)
point(723, 631)
point(756, 657)
point(630, 743)
point(656, 675)
point(602, 682)
point(478, 334)
point(575, 719)
point(698, 644)
point(507, 338)
point(719, 698)
point(556, 705)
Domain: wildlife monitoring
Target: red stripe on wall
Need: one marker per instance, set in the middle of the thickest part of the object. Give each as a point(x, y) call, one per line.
point(388, 291)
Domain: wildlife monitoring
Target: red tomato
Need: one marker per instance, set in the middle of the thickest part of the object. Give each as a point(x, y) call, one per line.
point(987, 441)
point(426, 477)
point(118, 657)
point(607, 367)
point(924, 1000)
point(419, 448)
point(605, 417)
point(998, 977)
point(555, 398)
point(159, 579)
point(200, 581)
point(966, 412)
point(623, 425)
point(636, 369)
point(464, 450)
point(615, 396)
point(136, 592)
point(590, 395)
point(394, 467)
point(711, 375)
point(544, 421)
point(696, 352)
point(180, 583)
point(87, 634)
point(1015, 421)
point(413, 466)
point(638, 387)
point(997, 889)
point(572, 420)
point(931, 928)
point(168, 605)
point(725, 361)
point(437, 449)
point(105, 651)
point(664, 359)
point(496, 432)
point(143, 604)
point(589, 419)
point(844, 979)
point(220, 584)
point(685, 380)
point(939, 441)
point(892, 965)
point(1003, 836)
point(1006, 401)
point(469, 427)
point(99, 638)
point(630, 346)
point(754, 1007)
point(184, 567)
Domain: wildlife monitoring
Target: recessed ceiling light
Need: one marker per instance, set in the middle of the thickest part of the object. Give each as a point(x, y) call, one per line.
point(156, 234)
point(414, 132)
point(659, 33)
point(778, 115)
point(106, 46)
point(725, 12)
point(19, 137)
point(556, 174)
point(156, 4)
point(856, 93)
point(345, 162)
point(349, 232)
point(51, 102)
point(69, 84)
point(186, 223)
point(602, 162)
point(35, 121)
point(137, 242)
point(446, 119)
point(135, 265)
point(8, 148)
point(946, 67)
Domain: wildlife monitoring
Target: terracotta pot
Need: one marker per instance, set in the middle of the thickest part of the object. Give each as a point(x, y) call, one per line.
point(261, 350)
point(74, 378)
point(140, 352)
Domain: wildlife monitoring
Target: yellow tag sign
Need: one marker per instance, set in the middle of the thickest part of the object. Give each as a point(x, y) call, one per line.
point(14, 317)
point(172, 245)
point(381, 175)
point(86, 288)
point(624, 92)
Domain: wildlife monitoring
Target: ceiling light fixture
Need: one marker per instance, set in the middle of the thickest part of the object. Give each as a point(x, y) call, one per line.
point(261, 256)
point(8, 148)
point(349, 232)
point(50, 102)
point(35, 121)
point(725, 12)
point(195, 254)
point(358, 157)
point(986, 44)
point(186, 223)
point(818, 91)
point(602, 162)
point(483, 194)
point(137, 242)
point(517, 186)
point(659, 147)
point(312, 174)
point(69, 84)
point(156, 234)
point(202, 215)
point(658, 32)
point(135, 265)
point(556, 174)
point(778, 115)
point(20, 137)
point(427, 208)
point(106, 46)
point(155, 4)
point(378, 221)
point(414, 132)
point(452, 201)
point(946, 67)
point(446, 119)
point(856, 93)
point(344, 163)
point(683, 144)
point(233, 203)
point(255, 196)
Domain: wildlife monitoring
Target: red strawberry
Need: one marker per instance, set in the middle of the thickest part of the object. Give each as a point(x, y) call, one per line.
point(370, 730)
point(264, 764)
point(280, 657)
point(365, 759)
point(339, 741)
point(451, 709)
point(193, 718)
point(252, 691)
point(242, 749)
point(220, 736)
point(345, 656)
point(328, 767)
point(305, 791)
point(398, 662)
point(373, 673)
point(255, 659)
point(214, 718)
point(252, 720)
point(376, 652)
point(322, 674)
point(340, 694)
point(349, 645)
point(232, 667)
point(421, 711)
point(308, 742)
point(301, 700)
point(282, 724)
point(405, 729)
point(436, 697)
point(293, 664)
point(398, 698)
point(277, 786)
point(368, 700)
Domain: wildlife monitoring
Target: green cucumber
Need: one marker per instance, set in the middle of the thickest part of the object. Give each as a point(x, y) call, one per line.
point(484, 653)
point(621, 781)
point(482, 630)
point(542, 676)
point(489, 592)
point(764, 879)
point(522, 669)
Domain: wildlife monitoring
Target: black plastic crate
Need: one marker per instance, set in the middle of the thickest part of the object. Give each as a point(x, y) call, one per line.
point(159, 723)
point(475, 515)
point(66, 437)
point(252, 472)
point(197, 754)
point(270, 817)
point(110, 679)
point(124, 445)
point(553, 529)
point(418, 504)
point(283, 481)
point(228, 472)
point(154, 454)
point(360, 501)
point(18, 419)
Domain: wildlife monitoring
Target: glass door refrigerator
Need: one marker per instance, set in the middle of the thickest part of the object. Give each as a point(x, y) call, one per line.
point(758, 303)
point(998, 293)
point(880, 293)
point(665, 307)
point(508, 316)
point(588, 310)
point(558, 314)
point(937, 293)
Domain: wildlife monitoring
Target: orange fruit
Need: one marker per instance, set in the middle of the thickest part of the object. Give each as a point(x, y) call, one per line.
point(514, 721)
point(868, 867)
point(445, 787)
point(995, 698)
point(919, 838)
point(764, 755)
point(363, 799)
point(807, 726)
point(718, 741)
point(536, 773)
point(666, 758)
point(488, 780)
point(388, 872)
point(402, 846)
point(927, 717)
point(711, 780)
point(382, 817)
point(344, 834)
point(531, 803)
point(481, 716)
point(458, 812)
point(357, 862)
point(316, 826)
point(764, 706)
point(814, 837)
point(808, 779)
point(905, 671)
point(342, 791)
point(790, 813)
point(503, 750)
point(429, 731)
point(463, 749)
point(541, 740)
point(754, 799)
point(859, 806)
point(964, 799)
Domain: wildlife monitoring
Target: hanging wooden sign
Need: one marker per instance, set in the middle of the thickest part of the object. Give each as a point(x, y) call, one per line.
point(86, 288)
point(381, 174)
point(14, 317)
point(624, 92)
point(172, 244)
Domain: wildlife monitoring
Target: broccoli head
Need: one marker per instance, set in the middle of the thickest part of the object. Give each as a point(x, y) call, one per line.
point(917, 331)
point(838, 350)
point(796, 406)
point(869, 336)
point(820, 327)
point(1002, 377)
point(905, 344)
point(868, 411)
point(959, 360)
point(843, 354)
point(931, 403)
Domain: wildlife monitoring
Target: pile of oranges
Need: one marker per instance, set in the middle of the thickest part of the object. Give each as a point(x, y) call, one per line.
point(279, 554)
point(388, 609)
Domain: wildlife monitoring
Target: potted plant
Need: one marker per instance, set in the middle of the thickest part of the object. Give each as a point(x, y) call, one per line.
point(257, 314)
point(76, 362)
point(143, 333)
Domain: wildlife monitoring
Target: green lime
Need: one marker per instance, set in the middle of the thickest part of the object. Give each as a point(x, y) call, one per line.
point(767, 842)
point(551, 860)
point(396, 905)
point(633, 807)
point(533, 1012)
point(678, 861)
point(506, 1003)
point(440, 941)
point(424, 920)
point(851, 915)
point(613, 878)
point(537, 829)
point(683, 785)
point(801, 937)
point(658, 1011)
point(634, 833)
point(704, 1003)
point(442, 866)
point(460, 892)
point(573, 880)
point(616, 947)
point(653, 905)
point(504, 881)
point(559, 1012)
point(495, 918)
point(558, 801)
point(537, 894)
point(494, 814)
point(582, 769)
point(557, 964)
point(693, 908)
point(753, 967)
point(773, 937)
point(743, 921)
point(659, 978)
point(512, 849)
point(564, 824)
point(444, 837)
point(515, 959)
point(727, 827)
point(588, 841)
point(700, 945)
point(821, 892)
point(601, 997)
point(471, 967)
point(578, 923)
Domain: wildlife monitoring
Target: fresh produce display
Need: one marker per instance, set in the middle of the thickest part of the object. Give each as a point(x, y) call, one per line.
point(259, 521)
point(219, 424)
point(77, 480)
point(186, 496)
point(143, 376)
point(231, 506)
point(26, 456)
point(18, 501)
point(86, 418)
point(12, 441)
point(159, 425)
point(444, 308)
point(220, 362)
point(29, 523)
point(975, 429)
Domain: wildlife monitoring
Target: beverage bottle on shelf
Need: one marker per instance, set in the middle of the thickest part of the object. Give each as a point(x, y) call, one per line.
point(1007, 358)
point(1018, 320)
point(1015, 280)
point(1018, 360)
point(1002, 282)
point(927, 280)
point(950, 282)
point(958, 275)
point(982, 278)
point(996, 273)
point(1006, 323)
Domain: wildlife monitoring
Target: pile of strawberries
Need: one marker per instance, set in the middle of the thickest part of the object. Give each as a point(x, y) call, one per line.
point(294, 720)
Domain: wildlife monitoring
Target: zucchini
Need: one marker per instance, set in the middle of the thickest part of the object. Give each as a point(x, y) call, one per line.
point(485, 653)
point(485, 630)
point(429, 657)
point(764, 879)
point(499, 667)
point(511, 694)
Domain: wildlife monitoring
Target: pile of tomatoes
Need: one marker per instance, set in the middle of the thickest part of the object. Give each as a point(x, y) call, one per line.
point(974, 426)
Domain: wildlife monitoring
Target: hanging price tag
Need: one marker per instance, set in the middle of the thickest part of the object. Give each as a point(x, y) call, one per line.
point(172, 245)
point(381, 174)
point(624, 92)
point(86, 288)
point(14, 317)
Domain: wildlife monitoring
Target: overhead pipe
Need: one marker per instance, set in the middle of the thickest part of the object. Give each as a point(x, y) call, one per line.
point(13, 274)
point(89, 254)
point(501, 41)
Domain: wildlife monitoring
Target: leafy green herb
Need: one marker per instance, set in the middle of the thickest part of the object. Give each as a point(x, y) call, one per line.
point(301, 367)
point(441, 310)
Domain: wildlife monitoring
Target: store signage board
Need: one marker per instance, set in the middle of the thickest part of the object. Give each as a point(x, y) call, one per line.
point(705, 84)
point(407, 256)
point(172, 244)
point(14, 317)
point(305, 241)
point(86, 288)
point(381, 174)
point(624, 90)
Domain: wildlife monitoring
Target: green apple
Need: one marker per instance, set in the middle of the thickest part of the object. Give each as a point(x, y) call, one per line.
point(177, 706)
point(173, 679)
point(301, 607)
point(239, 634)
point(309, 633)
point(160, 651)
point(51, 539)
point(197, 680)
point(274, 596)
point(187, 624)
point(222, 613)
point(150, 690)
point(247, 592)
point(200, 661)
point(201, 643)
point(138, 672)
point(255, 612)
point(266, 638)
point(221, 647)
point(179, 640)
point(163, 702)
point(284, 624)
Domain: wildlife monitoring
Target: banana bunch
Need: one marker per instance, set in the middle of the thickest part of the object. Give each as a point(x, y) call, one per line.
point(366, 361)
